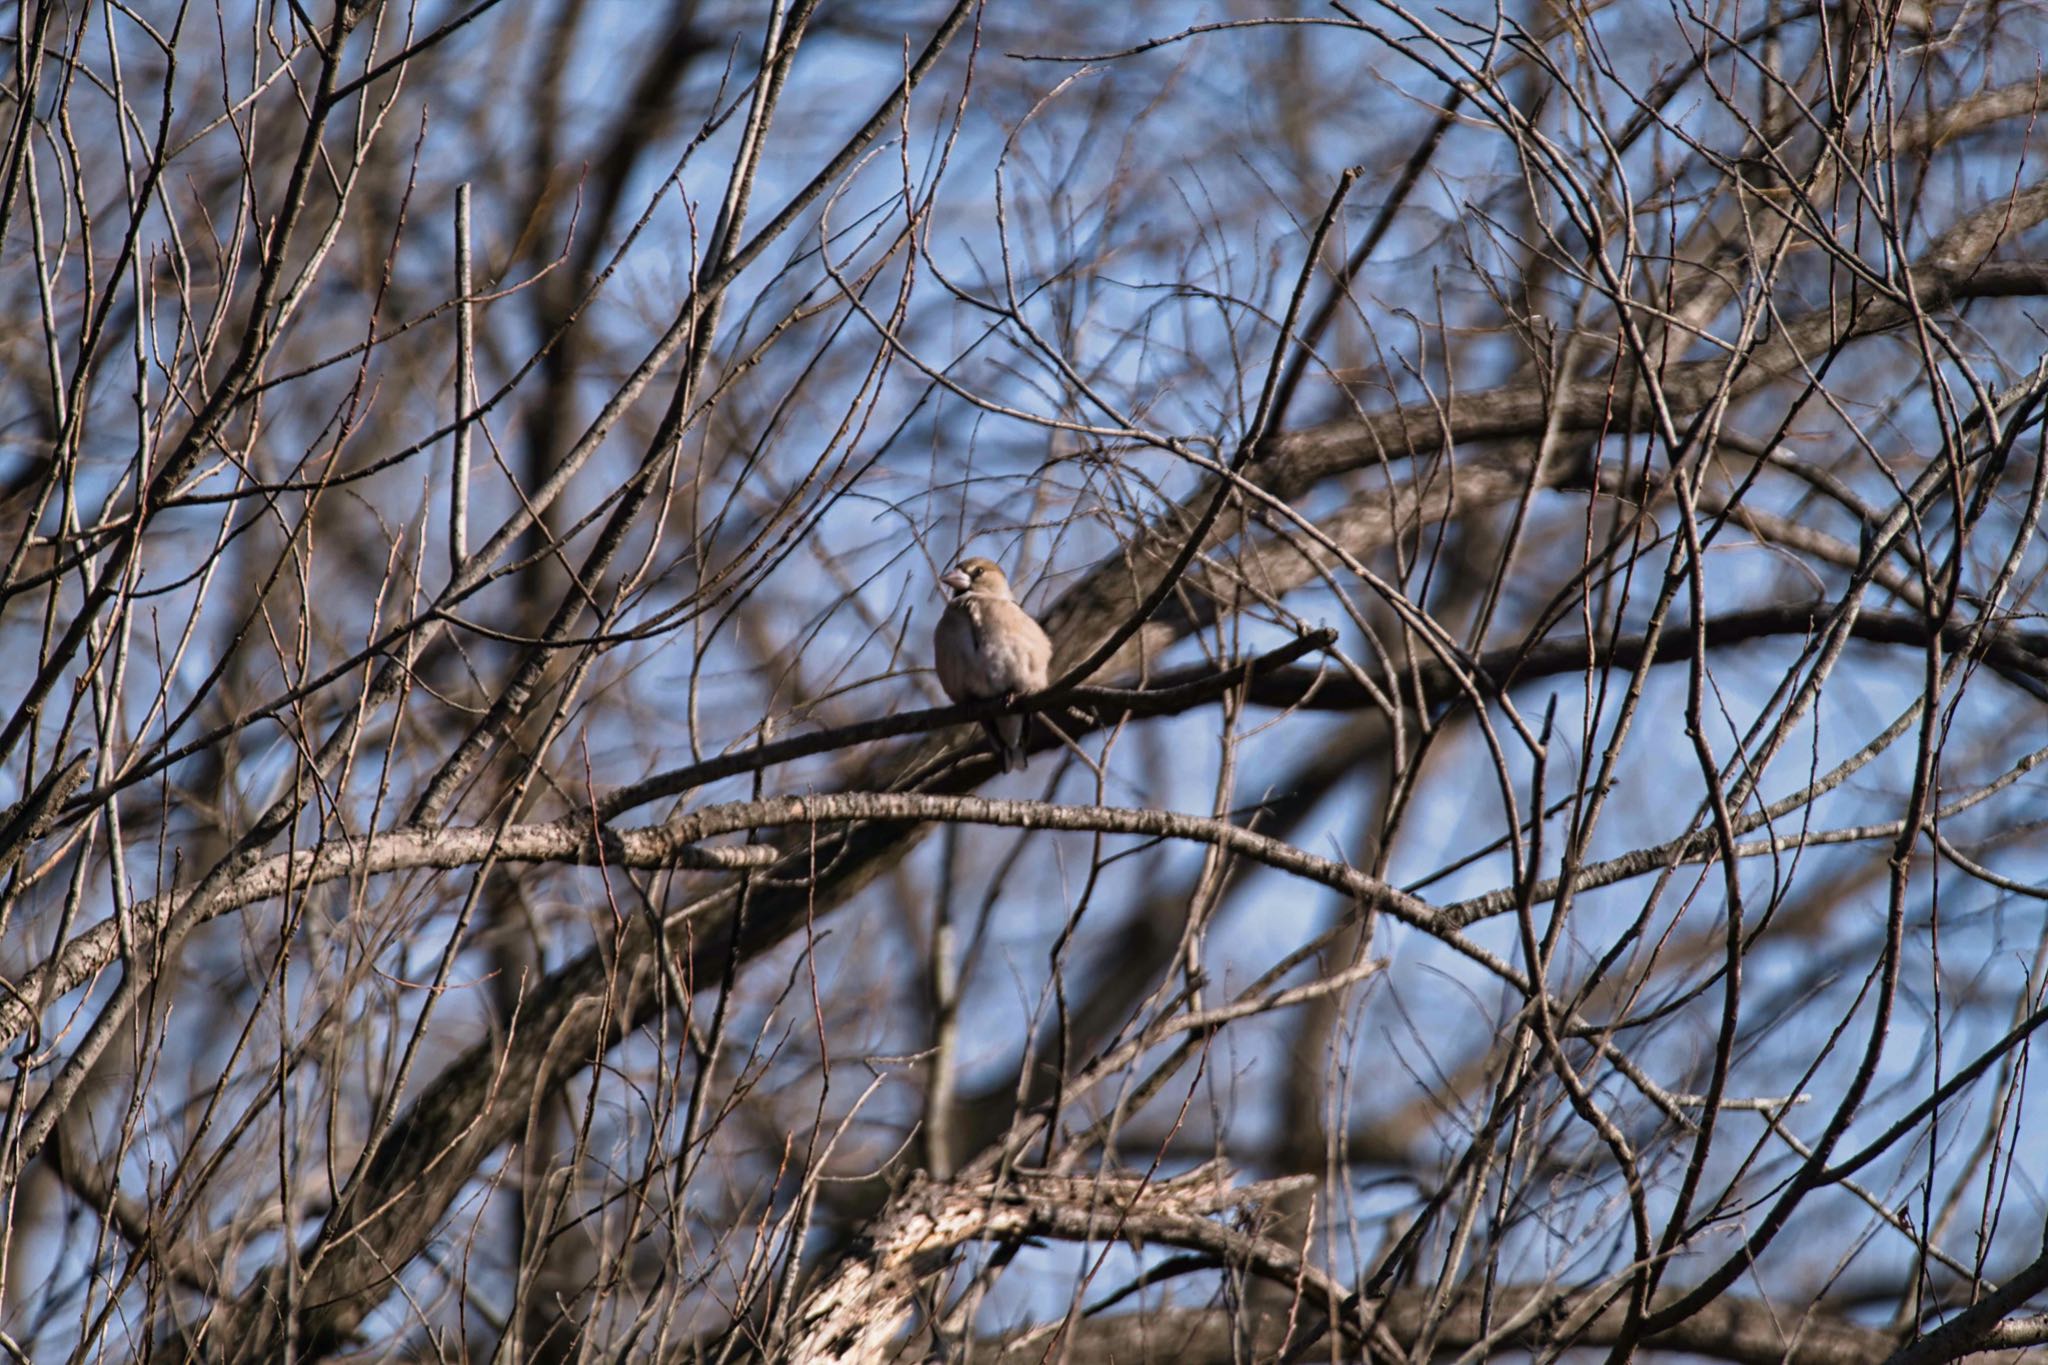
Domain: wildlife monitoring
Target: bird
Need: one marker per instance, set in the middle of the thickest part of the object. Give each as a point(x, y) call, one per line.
point(986, 646)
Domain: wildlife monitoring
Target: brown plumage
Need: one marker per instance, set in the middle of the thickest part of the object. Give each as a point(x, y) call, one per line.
point(987, 646)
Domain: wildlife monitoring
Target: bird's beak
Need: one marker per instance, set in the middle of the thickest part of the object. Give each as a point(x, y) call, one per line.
point(956, 581)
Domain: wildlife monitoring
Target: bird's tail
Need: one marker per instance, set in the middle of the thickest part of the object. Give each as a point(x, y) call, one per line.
point(1007, 734)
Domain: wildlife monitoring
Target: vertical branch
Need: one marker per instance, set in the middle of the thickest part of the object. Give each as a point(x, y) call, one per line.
point(941, 1150)
point(465, 388)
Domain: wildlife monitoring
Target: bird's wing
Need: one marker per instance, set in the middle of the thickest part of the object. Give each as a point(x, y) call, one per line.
point(1016, 648)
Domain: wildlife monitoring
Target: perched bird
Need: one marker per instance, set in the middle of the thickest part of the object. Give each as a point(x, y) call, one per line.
point(987, 646)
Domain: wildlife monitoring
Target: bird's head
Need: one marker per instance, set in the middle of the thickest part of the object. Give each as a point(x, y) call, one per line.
point(977, 575)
